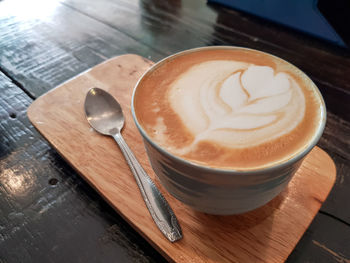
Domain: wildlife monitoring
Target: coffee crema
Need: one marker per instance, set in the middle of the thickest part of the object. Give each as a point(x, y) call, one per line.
point(228, 108)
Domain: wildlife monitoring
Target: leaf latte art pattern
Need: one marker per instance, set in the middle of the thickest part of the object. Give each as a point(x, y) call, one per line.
point(235, 104)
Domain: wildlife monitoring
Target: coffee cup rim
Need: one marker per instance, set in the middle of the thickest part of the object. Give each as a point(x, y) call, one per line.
point(269, 168)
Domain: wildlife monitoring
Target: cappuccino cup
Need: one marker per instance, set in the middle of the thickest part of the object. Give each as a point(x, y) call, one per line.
point(225, 128)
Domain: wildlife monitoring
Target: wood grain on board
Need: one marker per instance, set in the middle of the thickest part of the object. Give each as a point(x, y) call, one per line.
point(267, 234)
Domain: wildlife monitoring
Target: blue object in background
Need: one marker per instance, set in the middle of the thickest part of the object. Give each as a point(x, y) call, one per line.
point(302, 15)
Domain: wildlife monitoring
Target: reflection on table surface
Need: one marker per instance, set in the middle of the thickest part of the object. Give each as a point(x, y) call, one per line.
point(48, 213)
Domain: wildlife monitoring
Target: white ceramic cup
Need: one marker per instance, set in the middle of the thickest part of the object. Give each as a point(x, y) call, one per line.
point(218, 191)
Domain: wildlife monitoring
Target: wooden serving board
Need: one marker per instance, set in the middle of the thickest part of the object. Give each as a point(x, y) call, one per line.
point(267, 234)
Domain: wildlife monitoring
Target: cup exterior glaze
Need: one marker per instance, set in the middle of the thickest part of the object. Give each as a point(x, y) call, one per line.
point(219, 191)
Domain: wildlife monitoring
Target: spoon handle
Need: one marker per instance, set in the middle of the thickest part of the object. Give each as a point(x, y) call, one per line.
point(158, 207)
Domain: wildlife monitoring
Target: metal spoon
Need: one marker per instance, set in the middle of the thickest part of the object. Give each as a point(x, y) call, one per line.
point(105, 115)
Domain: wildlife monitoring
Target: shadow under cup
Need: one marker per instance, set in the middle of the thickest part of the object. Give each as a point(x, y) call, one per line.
point(219, 191)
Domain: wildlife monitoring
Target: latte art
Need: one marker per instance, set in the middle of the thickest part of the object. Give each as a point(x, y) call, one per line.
point(228, 108)
point(236, 104)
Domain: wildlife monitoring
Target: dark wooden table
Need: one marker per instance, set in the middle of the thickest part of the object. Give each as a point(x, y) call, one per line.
point(47, 212)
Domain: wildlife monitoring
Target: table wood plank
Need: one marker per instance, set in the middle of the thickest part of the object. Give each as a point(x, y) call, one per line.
point(47, 212)
point(40, 53)
point(323, 242)
point(336, 142)
point(163, 23)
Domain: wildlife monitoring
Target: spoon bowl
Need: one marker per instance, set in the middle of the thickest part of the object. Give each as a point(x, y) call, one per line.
point(103, 112)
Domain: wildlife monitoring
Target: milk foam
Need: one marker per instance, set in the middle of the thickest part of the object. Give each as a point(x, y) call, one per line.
point(236, 104)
